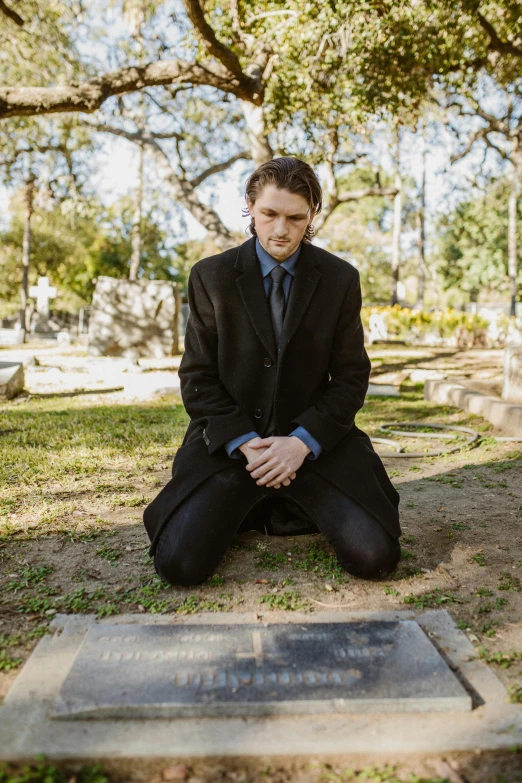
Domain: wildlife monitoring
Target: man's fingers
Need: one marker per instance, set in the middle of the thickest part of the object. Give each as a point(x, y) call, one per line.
point(269, 468)
point(259, 443)
point(286, 481)
point(261, 465)
point(258, 461)
point(277, 474)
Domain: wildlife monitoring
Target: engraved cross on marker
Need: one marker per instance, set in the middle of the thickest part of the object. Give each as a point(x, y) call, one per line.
point(257, 651)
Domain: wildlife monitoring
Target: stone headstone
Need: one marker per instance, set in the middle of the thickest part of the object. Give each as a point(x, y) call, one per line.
point(512, 387)
point(124, 671)
point(382, 390)
point(12, 336)
point(64, 337)
point(43, 293)
point(378, 328)
point(133, 318)
point(150, 385)
point(11, 379)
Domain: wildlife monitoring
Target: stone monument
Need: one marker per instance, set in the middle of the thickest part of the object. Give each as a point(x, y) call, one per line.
point(512, 388)
point(14, 336)
point(43, 293)
point(134, 318)
point(378, 328)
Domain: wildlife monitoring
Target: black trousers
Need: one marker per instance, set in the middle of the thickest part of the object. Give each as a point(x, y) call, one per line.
point(199, 532)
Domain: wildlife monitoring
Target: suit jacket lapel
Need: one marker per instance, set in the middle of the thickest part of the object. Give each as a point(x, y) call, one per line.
point(304, 284)
point(250, 284)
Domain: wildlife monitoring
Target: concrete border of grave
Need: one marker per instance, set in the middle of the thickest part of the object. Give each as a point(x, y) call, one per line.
point(26, 728)
point(502, 413)
point(11, 379)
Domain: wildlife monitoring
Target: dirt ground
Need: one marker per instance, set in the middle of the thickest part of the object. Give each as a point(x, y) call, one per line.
point(78, 467)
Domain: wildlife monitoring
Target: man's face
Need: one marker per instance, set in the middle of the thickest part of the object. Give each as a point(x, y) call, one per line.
point(281, 220)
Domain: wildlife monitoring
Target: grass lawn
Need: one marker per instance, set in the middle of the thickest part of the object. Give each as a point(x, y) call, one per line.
point(77, 472)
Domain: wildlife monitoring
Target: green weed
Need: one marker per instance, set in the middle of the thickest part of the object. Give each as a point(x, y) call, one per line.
point(318, 561)
point(502, 659)
point(515, 693)
point(215, 581)
point(289, 600)
point(194, 603)
point(270, 561)
point(109, 553)
point(431, 600)
point(509, 582)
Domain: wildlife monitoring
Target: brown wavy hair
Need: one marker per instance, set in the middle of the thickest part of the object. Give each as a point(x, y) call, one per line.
point(286, 173)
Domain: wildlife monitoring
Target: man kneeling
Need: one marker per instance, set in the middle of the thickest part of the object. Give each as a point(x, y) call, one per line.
point(273, 373)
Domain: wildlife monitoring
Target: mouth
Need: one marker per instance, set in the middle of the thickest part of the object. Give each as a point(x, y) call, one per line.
point(280, 241)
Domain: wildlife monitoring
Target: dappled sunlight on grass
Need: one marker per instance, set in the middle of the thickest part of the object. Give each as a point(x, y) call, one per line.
point(55, 452)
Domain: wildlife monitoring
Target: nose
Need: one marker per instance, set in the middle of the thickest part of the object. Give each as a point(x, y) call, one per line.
point(280, 228)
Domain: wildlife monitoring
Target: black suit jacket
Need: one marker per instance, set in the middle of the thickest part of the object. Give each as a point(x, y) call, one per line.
point(230, 375)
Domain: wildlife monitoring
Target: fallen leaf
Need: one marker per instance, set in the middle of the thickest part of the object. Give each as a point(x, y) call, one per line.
point(176, 772)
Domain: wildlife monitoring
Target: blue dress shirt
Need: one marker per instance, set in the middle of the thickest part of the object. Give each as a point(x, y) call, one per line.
point(267, 263)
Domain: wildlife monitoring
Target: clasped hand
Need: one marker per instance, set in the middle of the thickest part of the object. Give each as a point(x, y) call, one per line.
point(274, 461)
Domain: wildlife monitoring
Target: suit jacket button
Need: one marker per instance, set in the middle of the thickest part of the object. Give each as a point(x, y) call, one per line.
point(268, 362)
point(258, 413)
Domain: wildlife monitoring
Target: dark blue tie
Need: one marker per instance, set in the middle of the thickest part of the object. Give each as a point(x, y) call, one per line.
point(277, 300)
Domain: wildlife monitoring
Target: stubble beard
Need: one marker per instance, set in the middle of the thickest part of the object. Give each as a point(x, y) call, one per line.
point(282, 252)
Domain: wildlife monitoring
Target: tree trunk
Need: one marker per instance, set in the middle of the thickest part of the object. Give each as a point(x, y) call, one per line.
point(421, 275)
point(512, 240)
point(397, 219)
point(177, 318)
point(26, 251)
point(256, 130)
point(137, 222)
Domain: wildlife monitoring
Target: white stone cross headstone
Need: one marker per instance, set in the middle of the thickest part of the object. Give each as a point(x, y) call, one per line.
point(378, 328)
point(43, 293)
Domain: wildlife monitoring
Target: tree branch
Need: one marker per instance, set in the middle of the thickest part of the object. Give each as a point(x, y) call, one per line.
point(478, 135)
point(496, 124)
point(217, 167)
point(244, 38)
point(182, 189)
point(4, 9)
point(496, 44)
point(215, 47)
point(350, 195)
point(91, 94)
point(376, 190)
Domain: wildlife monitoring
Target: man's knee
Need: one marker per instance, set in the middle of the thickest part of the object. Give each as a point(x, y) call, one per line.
point(178, 569)
point(376, 562)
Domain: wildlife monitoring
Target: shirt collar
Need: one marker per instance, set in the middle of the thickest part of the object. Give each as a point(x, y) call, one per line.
point(268, 262)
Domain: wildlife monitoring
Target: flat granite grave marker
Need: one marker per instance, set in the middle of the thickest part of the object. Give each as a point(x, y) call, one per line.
point(163, 671)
